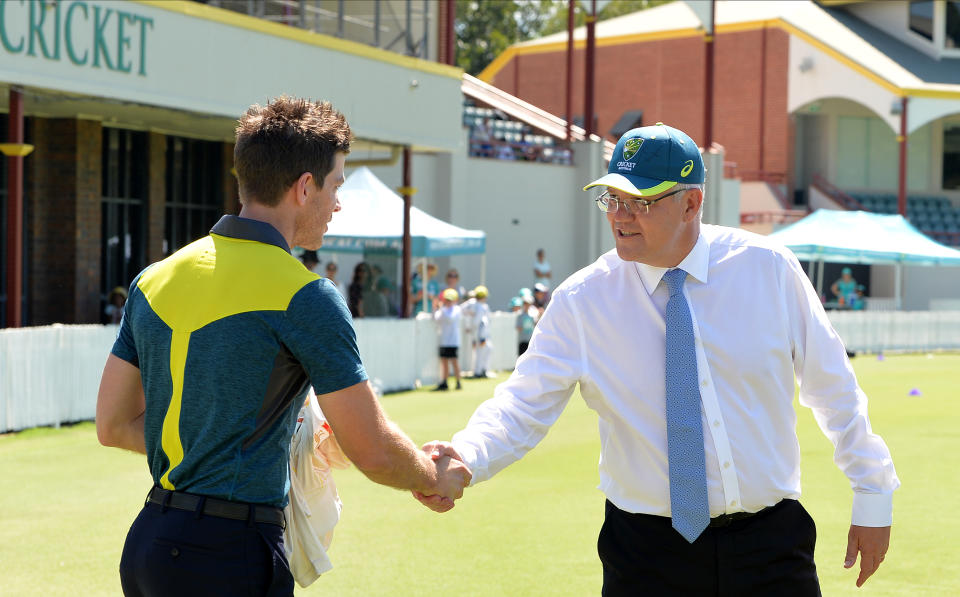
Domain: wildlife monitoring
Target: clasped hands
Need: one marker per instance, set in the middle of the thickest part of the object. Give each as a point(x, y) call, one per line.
point(453, 475)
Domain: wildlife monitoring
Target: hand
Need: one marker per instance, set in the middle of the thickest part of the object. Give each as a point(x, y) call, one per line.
point(453, 476)
point(437, 450)
point(872, 543)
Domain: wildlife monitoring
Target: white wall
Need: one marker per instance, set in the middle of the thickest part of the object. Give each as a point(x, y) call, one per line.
point(218, 62)
point(831, 79)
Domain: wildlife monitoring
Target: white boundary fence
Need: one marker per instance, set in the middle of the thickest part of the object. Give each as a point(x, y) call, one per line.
point(50, 375)
point(907, 331)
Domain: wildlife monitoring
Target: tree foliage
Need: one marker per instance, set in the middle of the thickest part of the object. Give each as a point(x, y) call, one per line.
point(485, 28)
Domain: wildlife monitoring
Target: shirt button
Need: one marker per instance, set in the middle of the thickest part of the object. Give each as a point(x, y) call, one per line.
point(726, 464)
point(704, 383)
point(174, 552)
point(716, 423)
point(733, 504)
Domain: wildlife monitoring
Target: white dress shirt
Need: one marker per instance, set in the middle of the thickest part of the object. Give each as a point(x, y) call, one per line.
point(757, 323)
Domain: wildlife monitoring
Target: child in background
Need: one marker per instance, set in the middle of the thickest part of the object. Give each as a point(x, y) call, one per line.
point(481, 320)
point(448, 318)
point(526, 320)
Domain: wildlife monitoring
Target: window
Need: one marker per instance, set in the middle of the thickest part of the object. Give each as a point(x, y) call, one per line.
point(194, 190)
point(952, 38)
point(921, 18)
point(122, 208)
point(951, 156)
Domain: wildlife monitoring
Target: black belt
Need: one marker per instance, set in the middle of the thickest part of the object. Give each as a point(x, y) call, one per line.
point(728, 519)
point(215, 507)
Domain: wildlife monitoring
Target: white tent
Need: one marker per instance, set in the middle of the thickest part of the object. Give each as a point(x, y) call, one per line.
point(371, 220)
point(861, 237)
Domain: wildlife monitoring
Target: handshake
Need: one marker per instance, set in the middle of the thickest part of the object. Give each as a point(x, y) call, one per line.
point(452, 477)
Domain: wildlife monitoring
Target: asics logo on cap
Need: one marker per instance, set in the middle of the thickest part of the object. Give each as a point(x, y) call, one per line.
point(687, 168)
point(631, 147)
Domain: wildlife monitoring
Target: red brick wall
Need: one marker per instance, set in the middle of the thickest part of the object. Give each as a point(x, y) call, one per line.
point(156, 195)
point(65, 222)
point(665, 79)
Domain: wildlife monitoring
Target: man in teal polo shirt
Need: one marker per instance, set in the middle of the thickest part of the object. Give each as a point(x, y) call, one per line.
point(218, 346)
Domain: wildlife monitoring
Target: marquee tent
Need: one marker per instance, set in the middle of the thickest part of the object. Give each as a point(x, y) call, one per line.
point(862, 237)
point(371, 220)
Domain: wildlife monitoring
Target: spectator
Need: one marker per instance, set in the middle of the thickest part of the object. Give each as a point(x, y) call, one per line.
point(115, 303)
point(541, 270)
point(453, 281)
point(859, 303)
point(505, 151)
point(359, 284)
point(482, 137)
point(331, 274)
point(375, 300)
point(310, 261)
point(481, 318)
point(540, 296)
point(423, 296)
point(468, 309)
point(527, 316)
point(845, 288)
point(448, 318)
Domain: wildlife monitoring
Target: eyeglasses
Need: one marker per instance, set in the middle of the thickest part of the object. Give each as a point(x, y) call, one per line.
point(609, 204)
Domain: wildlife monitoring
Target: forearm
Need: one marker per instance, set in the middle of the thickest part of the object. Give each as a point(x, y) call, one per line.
point(400, 464)
point(126, 435)
point(121, 406)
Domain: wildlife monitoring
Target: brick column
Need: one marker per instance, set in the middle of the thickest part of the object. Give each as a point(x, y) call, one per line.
point(231, 193)
point(65, 222)
point(156, 195)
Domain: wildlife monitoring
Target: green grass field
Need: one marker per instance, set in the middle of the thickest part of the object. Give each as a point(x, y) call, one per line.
point(66, 504)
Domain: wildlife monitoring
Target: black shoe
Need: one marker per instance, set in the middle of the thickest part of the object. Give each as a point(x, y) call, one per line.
point(441, 388)
point(459, 387)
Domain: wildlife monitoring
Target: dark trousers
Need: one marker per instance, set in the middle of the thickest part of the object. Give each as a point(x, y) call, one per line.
point(770, 553)
point(178, 553)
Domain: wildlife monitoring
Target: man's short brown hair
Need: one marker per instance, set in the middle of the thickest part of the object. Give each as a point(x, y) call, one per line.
point(278, 142)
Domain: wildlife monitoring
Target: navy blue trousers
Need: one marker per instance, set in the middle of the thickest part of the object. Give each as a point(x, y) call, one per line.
point(178, 553)
point(769, 554)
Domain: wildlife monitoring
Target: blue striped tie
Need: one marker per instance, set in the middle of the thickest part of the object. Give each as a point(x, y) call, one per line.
point(688, 476)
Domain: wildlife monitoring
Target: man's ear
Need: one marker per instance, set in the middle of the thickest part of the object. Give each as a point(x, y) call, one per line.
point(692, 200)
point(302, 187)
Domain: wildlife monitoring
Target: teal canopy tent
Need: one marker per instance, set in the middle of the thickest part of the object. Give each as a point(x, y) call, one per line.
point(861, 237)
point(371, 221)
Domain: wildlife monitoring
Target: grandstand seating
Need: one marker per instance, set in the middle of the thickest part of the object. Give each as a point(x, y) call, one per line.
point(524, 142)
point(935, 216)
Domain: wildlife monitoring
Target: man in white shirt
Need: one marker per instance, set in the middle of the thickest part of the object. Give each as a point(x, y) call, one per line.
point(757, 324)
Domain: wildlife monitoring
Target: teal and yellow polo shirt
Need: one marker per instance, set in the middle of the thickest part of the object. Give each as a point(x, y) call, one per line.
point(229, 333)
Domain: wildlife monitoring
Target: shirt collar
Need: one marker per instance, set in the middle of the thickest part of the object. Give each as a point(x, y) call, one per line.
point(696, 264)
point(247, 229)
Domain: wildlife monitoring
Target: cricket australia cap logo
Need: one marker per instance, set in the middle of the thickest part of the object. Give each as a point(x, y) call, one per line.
point(631, 147)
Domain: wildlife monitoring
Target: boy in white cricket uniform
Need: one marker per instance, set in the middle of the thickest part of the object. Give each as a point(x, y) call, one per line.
point(481, 320)
point(448, 318)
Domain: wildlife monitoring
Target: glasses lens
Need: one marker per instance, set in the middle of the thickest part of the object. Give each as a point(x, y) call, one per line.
point(606, 203)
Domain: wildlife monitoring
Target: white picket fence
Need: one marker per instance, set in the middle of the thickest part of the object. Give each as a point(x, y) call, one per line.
point(906, 331)
point(50, 375)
